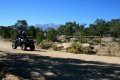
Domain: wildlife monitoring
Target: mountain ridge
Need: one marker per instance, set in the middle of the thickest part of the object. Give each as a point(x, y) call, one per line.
point(48, 26)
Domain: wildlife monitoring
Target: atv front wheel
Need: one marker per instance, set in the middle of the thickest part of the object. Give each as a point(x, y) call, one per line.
point(14, 46)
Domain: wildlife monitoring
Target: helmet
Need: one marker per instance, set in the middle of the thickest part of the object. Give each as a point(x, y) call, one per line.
point(20, 32)
point(23, 32)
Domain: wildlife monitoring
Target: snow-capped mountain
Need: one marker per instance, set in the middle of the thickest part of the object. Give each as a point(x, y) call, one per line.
point(48, 26)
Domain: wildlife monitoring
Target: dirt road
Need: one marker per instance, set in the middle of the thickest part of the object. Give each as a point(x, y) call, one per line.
point(53, 65)
point(6, 46)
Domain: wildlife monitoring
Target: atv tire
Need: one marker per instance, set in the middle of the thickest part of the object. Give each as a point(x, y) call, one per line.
point(32, 47)
point(14, 46)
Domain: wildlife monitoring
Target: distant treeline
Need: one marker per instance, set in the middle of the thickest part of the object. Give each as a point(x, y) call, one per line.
point(100, 27)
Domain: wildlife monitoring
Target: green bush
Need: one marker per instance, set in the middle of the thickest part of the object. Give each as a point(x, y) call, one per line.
point(14, 34)
point(45, 44)
point(76, 48)
point(51, 34)
point(54, 47)
point(96, 40)
point(39, 36)
point(86, 50)
point(91, 42)
point(72, 50)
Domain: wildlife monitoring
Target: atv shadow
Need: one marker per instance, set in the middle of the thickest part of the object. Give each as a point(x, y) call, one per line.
point(36, 50)
point(56, 68)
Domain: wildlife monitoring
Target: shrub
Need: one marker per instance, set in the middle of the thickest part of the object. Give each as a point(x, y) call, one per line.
point(86, 50)
point(72, 50)
point(45, 44)
point(54, 47)
point(39, 36)
point(51, 34)
point(76, 48)
point(96, 40)
point(91, 42)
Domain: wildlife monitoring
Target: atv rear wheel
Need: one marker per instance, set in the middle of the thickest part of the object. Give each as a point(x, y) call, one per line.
point(32, 47)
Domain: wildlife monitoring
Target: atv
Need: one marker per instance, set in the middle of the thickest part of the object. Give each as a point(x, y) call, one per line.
point(24, 43)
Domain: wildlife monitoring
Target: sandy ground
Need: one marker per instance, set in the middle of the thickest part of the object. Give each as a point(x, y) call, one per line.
point(16, 64)
point(6, 46)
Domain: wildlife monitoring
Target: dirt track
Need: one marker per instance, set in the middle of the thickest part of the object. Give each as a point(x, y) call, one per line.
point(53, 65)
point(6, 46)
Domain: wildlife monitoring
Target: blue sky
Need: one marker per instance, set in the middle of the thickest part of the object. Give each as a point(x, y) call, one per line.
point(57, 11)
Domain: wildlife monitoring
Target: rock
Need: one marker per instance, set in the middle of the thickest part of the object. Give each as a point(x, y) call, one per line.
point(59, 45)
point(62, 38)
point(67, 45)
point(73, 39)
point(107, 39)
point(85, 45)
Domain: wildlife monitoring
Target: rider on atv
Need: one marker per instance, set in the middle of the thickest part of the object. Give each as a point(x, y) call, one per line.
point(23, 41)
point(24, 34)
point(18, 36)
